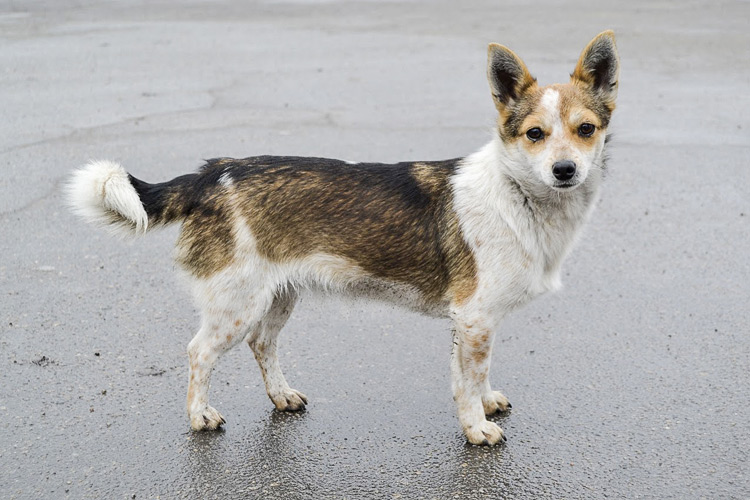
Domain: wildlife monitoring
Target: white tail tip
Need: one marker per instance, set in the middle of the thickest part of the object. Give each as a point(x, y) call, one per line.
point(101, 193)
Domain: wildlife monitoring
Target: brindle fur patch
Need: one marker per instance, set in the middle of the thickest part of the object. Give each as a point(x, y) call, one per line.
point(206, 243)
point(395, 222)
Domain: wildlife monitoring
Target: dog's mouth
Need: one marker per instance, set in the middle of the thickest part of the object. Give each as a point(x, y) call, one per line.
point(565, 186)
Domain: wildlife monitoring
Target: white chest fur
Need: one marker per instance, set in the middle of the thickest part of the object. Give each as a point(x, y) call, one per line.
point(519, 240)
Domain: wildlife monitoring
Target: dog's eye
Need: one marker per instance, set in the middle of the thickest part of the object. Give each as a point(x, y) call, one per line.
point(586, 130)
point(535, 134)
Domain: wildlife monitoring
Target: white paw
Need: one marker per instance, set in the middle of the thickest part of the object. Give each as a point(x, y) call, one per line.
point(485, 433)
point(207, 419)
point(289, 400)
point(495, 402)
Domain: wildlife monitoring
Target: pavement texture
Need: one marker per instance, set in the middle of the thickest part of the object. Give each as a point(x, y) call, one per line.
point(630, 383)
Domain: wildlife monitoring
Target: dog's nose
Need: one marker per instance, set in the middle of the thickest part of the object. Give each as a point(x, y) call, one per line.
point(564, 170)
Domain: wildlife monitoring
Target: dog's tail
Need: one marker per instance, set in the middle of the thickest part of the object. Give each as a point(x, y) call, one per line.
point(103, 193)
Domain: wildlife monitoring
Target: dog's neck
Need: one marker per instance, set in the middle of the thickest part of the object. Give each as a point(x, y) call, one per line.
point(556, 219)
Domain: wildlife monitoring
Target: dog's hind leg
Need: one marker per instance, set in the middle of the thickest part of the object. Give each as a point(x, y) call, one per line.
point(470, 364)
point(263, 343)
point(226, 319)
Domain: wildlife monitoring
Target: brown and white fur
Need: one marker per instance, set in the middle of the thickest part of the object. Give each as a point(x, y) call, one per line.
point(469, 239)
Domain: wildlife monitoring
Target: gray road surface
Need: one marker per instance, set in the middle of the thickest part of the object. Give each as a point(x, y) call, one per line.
point(630, 383)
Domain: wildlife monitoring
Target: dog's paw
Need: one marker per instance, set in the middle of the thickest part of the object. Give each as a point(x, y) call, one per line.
point(207, 420)
point(289, 400)
point(485, 433)
point(495, 402)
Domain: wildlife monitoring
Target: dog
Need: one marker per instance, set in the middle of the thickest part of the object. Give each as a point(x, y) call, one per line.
point(470, 239)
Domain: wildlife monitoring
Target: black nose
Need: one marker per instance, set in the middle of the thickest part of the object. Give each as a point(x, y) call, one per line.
point(564, 170)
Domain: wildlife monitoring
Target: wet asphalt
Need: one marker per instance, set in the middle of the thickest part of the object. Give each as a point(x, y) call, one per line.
point(630, 383)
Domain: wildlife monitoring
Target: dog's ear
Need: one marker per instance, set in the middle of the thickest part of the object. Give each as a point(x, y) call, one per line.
point(507, 74)
point(598, 68)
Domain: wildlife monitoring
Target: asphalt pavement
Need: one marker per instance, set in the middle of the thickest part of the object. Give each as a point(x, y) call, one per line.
point(632, 382)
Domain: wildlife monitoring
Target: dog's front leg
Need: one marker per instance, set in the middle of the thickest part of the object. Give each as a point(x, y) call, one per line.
point(470, 365)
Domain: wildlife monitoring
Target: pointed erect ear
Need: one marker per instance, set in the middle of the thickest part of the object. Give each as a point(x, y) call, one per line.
point(599, 67)
point(507, 75)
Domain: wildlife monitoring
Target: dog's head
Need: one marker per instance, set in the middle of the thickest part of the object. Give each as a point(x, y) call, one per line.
point(555, 135)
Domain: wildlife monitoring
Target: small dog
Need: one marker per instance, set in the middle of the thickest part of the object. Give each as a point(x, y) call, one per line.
point(470, 239)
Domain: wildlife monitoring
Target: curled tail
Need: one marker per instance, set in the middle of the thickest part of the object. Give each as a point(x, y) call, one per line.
point(102, 192)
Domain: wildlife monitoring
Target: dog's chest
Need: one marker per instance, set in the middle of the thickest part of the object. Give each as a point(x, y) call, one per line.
point(518, 257)
point(512, 272)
